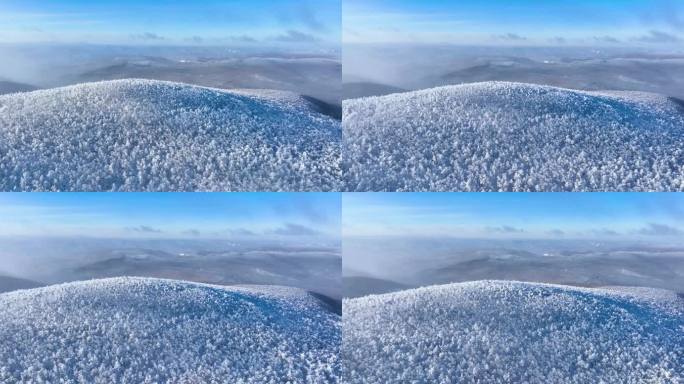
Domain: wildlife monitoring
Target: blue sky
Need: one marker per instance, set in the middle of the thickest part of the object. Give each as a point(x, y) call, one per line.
point(293, 215)
point(173, 215)
point(515, 215)
point(521, 22)
point(159, 22)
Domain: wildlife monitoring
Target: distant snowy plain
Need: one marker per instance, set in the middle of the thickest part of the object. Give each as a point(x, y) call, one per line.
point(498, 136)
point(145, 135)
point(141, 330)
point(511, 332)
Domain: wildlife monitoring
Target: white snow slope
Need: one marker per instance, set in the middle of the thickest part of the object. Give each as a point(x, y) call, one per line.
point(499, 136)
point(139, 330)
point(511, 332)
point(144, 135)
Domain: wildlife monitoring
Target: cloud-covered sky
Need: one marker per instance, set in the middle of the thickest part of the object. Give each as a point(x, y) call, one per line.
point(202, 22)
point(523, 22)
point(626, 216)
point(172, 215)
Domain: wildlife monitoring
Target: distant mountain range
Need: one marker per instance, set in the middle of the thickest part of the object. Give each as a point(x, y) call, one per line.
point(13, 87)
point(354, 90)
point(359, 286)
point(9, 283)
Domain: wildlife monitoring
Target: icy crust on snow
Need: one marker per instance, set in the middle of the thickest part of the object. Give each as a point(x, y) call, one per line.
point(498, 136)
point(511, 332)
point(138, 330)
point(144, 135)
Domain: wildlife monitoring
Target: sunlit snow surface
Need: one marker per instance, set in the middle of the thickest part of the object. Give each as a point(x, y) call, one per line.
point(510, 332)
point(135, 330)
point(498, 136)
point(144, 135)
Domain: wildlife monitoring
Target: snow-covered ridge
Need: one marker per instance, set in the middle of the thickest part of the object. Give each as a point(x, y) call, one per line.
point(511, 332)
point(139, 330)
point(498, 136)
point(144, 135)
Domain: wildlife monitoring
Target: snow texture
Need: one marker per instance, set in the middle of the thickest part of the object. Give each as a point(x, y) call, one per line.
point(141, 330)
point(144, 135)
point(511, 332)
point(498, 136)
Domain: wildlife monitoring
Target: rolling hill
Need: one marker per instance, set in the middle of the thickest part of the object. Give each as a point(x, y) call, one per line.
point(150, 330)
point(511, 332)
point(498, 136)
point(145, 135)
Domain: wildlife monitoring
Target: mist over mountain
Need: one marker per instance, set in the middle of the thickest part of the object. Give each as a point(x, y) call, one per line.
point(314, 73)
point(312, 267)
point(414, 262)
point(420, 66)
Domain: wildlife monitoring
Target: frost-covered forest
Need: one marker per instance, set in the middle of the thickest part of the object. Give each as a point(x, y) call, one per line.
point(498, 136)
point(148, 330)
point(145, 135)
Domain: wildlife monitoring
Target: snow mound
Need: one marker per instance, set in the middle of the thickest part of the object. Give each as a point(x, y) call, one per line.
point(511, 332)
point(499, 136)
point(144, 135)
point(139, 330)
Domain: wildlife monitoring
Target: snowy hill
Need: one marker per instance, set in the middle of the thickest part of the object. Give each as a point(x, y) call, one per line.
point(510, 332)
point(143, 135)
point(136, 330)
point(499, 136)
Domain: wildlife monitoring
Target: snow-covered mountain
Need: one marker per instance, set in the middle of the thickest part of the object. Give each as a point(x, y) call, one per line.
point(135, 330)
point(498, 136)
point(511, 332)
point(144, 135)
